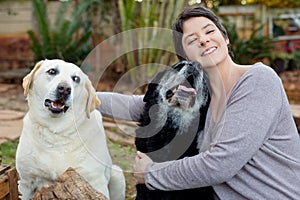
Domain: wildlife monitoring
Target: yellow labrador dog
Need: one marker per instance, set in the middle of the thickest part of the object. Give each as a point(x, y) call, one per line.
point(62, 129)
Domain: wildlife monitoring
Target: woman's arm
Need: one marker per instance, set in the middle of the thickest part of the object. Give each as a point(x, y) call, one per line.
point(120, 106)
point(251, 115)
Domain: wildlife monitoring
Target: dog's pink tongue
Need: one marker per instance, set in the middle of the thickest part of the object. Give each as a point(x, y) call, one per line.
point(190, 91)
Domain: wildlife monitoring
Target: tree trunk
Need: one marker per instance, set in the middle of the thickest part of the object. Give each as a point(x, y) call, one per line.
point(121, 63)
point(69, 185)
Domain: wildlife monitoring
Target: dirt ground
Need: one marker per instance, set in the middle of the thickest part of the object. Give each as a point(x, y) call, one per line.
point(119, 134)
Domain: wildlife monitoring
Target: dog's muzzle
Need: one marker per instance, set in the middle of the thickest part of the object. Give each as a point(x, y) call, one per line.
point(184, 95)
point(58, 105)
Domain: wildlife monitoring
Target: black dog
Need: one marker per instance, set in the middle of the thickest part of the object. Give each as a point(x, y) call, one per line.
point(177, 100)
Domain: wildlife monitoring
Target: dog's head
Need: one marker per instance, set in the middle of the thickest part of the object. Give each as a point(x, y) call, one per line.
point(177, 100)
point(183, 86)
point(179, 93)
point(54, 87)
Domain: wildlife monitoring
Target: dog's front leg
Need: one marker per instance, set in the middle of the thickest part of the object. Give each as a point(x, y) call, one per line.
point(26, 188)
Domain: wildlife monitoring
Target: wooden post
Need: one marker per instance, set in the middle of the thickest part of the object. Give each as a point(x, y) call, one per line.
point(8, 183)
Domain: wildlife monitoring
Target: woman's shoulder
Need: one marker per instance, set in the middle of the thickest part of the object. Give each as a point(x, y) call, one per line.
point(260, 72)
point(260, 69)
point(258, 76)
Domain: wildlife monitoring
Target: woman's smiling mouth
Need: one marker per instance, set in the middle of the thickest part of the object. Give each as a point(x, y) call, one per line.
point(208, 51)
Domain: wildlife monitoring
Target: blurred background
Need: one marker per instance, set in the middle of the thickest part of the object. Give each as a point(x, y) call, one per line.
point(31, 30)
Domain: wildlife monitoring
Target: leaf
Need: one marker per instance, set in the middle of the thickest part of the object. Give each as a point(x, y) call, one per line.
point(64, 39)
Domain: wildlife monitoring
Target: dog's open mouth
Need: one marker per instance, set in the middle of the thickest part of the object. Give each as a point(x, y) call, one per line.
point(182, 96)
point(57, 106)
point(186, 90)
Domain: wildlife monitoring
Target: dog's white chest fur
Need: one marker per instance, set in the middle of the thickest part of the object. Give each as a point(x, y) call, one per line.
point(44, 155)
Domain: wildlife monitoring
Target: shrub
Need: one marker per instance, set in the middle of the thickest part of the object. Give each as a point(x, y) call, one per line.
point(247, 51)
point(69, 40)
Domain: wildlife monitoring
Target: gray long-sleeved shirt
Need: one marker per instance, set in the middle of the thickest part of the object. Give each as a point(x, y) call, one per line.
point(254, 152)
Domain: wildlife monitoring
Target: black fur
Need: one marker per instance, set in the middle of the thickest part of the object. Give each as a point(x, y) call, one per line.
point(163, 133)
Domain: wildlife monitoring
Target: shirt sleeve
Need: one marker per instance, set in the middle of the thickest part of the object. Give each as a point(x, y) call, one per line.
point(120, 106)
point(251, 114)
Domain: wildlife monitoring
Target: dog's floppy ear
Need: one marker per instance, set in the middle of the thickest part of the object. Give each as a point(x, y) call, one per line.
point(29, 77)
point(93, 101)
point(152, 92)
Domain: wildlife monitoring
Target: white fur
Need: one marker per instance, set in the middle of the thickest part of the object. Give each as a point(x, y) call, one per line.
point(51, 143)
point(170, 80)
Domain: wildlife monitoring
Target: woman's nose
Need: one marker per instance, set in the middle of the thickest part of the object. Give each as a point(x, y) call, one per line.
point(203, 41)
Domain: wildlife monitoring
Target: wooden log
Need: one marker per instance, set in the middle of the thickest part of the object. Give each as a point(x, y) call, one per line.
point(69, 185)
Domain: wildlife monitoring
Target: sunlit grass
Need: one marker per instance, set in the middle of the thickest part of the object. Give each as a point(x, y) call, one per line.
point(8, 152)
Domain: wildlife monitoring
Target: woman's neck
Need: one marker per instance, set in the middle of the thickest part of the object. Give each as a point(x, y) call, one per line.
point(222, 79)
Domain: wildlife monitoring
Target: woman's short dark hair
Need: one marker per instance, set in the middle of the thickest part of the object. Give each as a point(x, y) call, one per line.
point(187, 13)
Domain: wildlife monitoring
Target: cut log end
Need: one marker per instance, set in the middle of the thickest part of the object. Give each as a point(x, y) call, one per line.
point(69, 185)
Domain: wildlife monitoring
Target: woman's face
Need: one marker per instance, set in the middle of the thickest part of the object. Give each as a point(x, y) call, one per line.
point(203, 42)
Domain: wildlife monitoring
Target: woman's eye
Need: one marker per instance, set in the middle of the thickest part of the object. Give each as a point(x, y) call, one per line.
point(52, 71)
point(76, 79)
point(210, 31)
point(192, 40)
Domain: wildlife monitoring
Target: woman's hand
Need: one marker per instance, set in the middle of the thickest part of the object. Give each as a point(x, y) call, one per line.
point(140, 165)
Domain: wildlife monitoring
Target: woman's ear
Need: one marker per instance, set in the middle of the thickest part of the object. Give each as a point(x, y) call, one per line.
point(92, 101)
point(27, 80)
point(227, 41)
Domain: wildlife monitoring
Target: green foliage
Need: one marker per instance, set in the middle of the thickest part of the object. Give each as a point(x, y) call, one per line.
point(69, 40)
point(277, 3)
point(269, 3)
point(291, 60)
point(159, 14)
point(8, 152)
point(247, 51)
point(296, 59)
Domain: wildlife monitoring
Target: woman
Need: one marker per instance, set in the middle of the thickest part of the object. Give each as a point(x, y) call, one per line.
point(250, 148)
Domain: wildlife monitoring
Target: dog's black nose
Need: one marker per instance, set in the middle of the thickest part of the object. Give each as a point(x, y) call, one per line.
point(63, 90)
point(195, 64)
point(191, 69)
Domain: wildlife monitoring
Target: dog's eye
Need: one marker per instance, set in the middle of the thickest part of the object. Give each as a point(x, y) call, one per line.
point(169, 94)
point(52, 71)
point(76, 79)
